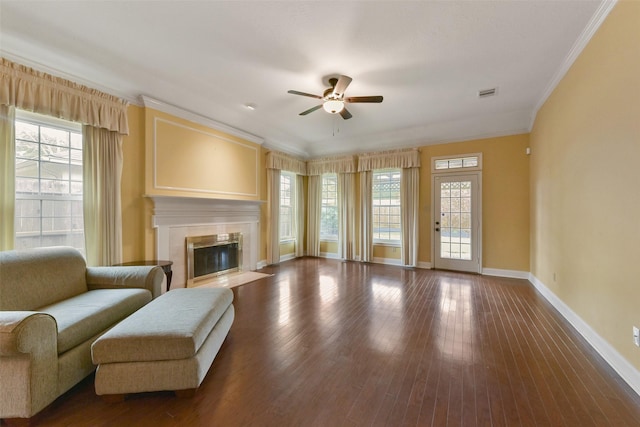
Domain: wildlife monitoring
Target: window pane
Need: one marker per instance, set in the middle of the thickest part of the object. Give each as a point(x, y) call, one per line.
point(287, 203)
point(329, 208)
point(54, 136)
point(386, 205)
point(48, 185)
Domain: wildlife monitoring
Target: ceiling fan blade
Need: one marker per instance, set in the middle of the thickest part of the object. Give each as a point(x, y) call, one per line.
point(341, 86)
point(345, 114)
point(311, 110)
point(353, 99)
point(295, 92)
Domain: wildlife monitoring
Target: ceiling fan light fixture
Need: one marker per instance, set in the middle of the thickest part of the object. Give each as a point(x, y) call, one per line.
point(333, 106)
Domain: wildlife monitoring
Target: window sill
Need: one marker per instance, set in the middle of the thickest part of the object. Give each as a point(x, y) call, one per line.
point(391, 244)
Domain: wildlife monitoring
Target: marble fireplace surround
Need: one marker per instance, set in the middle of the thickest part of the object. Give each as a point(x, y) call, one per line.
point(175, 218)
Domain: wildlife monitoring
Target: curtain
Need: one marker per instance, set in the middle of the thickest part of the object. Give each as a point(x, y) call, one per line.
point(342, 164)
point(400, 159)
point(346, 216)
point(27, 89)
point(7, 177)
point(366, 220)
point(273, 221)
point(299, 215)
point(102, 173)
point(409, 206)
point(313, 215)
point(285, 162)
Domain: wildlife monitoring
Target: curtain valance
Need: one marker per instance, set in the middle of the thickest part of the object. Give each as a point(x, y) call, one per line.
point(28, 89)
point(343, 164)
point(406, 158)
point(285, 162)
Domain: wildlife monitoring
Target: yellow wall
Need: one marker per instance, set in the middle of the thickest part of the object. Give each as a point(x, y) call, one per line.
point(505, 202)
point(505, 199)
point(246, 158)
point(585, 202)
point(187, 159)
point(135, 207)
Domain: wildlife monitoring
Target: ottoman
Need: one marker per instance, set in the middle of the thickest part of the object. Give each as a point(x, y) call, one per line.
point(169, 344)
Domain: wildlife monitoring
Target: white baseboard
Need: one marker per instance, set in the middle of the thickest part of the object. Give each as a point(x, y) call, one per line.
point(426, 265)
point(387, 261)
point(513, 274)
point(261, 264)
point(329, 255)
point(626, 370)
point(287, 257)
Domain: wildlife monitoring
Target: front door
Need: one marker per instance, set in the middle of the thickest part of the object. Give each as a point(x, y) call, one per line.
point(457, 222)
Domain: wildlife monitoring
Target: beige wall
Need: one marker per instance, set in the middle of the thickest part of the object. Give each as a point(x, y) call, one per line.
point(505, 202)
point(181, 141)
point(505, 199)
point(585, 202)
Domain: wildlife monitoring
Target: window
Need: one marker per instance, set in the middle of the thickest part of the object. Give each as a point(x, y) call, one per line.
point(386, 206)
point(287, 203)
point(467, 162)
point(48, 209)
point(329, 208)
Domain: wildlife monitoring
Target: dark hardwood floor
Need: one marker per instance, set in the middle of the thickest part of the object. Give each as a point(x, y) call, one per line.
point(330, 343)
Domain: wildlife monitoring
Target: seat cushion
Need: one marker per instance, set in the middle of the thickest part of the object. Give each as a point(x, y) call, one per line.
point(85, 315)
point(171, 327)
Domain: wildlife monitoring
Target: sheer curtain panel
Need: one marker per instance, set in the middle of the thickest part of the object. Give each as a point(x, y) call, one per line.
point(409, 207)
point(102, 174)
point(366, 224)
point(299, 215)
point(346, 216)
point(7, 176)
point(314, 194)
point(273, 200)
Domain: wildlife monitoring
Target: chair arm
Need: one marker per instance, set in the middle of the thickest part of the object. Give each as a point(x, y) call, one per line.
point(28, 362)
point(22, 331)
point(145, 277)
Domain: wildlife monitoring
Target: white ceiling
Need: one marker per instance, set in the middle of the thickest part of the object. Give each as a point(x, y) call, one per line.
point(428, 59)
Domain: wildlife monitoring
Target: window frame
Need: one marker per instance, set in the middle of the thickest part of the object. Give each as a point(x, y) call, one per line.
point(377, 240)
point(50, 198)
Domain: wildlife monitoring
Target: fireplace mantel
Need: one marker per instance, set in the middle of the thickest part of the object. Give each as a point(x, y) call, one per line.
point(175, 218)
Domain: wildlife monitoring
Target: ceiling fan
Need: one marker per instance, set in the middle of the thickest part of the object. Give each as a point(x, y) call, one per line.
point(334, 100)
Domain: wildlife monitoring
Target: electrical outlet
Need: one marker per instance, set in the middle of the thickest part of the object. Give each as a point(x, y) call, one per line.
point(636, 336)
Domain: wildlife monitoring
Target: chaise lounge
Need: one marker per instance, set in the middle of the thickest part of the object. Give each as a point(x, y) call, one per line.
point(52, 309)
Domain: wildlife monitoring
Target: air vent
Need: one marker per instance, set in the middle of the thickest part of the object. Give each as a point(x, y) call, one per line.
point(487, 92)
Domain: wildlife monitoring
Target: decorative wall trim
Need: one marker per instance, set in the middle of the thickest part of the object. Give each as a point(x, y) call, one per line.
point(197, 118)
point(627, 371)
point(425, 265)
point(514, 274)
point(156, 120)
point(594, 23)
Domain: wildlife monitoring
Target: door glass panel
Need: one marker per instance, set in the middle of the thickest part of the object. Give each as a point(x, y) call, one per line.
point(455, 216)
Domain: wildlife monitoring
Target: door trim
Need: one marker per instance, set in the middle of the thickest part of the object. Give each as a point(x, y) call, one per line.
point(478, 220)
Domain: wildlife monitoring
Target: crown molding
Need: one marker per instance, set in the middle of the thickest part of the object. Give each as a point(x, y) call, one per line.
point(585, 37)
point(199, 119)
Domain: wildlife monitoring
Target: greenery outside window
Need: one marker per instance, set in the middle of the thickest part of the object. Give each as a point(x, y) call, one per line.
point(386, 206)
point(48, 189)
point(329, 208)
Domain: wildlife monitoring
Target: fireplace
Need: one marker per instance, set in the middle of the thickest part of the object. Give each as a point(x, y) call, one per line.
point(213, 255)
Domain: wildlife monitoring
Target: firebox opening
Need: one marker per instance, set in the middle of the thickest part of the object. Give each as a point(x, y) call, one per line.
point(212, 256)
